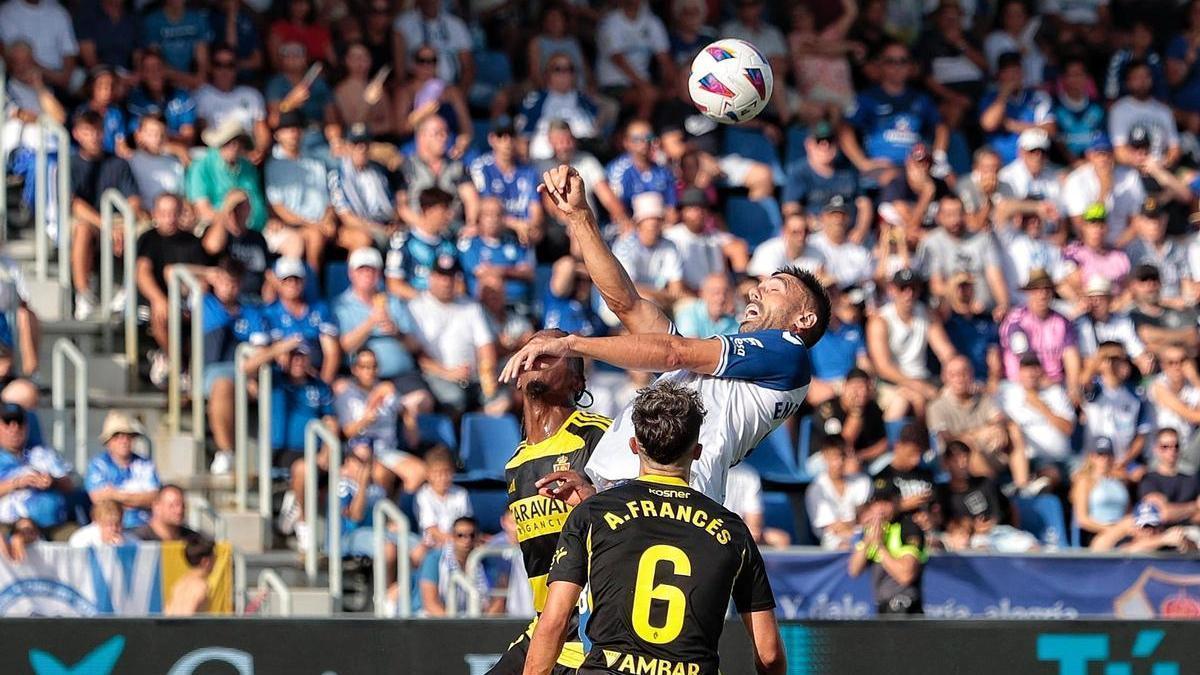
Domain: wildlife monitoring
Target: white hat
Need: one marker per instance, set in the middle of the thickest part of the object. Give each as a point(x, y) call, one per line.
point(117, 422)
point(1033, 138)
point(1097, 285)
point(648, 205)
point(226, 131)
point(286, 268)
point(366, 256)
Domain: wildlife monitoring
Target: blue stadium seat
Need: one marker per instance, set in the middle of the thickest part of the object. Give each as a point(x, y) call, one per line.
point(753, 144)
point(755, 221)
point(479, 141)
point(436, 428)
point(487, 444)
point(1042, 516)
point(337, 279)
point(794, 152)
point(493, 72)
point(775, 458)
point(778, 512)
point(488, 506)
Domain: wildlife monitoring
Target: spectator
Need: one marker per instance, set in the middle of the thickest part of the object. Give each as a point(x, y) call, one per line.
point(556, 38)
point(1030, 179)
point(46, 28)
point(313, 323)
point(636, 171)
point(1176, 402)
point(703, 250)
point(1038, 328)
point(749, 25)
point(430, 166)
point(819, 177)
point(953, 63)
point(497, 250)
point(167, 515)
point(21, 336)
point(1182, 77)
point(155, 95)
point(628, 39)
point(854, 420)
point(789, 247)
point(952, 248)
point(1016, 32)
point(1099, 324)
point(92, 172)
point(842, 348)
point(412, 255)
point(743, 496)
point(105, 528)
point(1077, 115)
point(1151, 246)
point(358, 496)
point(559, 98)
point(121, 476)
point(1139, 47)
point(182, 36)
point(107, 35)
point(378, 35)
point(440, 503)
point(234, 25)
point(899, 337)
point(896, 546)
point(430, 22)
point(230, 234)
point(28, 94)
point(847, 262)
point(1139, 109)
point(34, 480)
point(595, 180)
point(973, 333)
point(360, 97)
point(295, 89)
point(1041, 421)
point(458, 350)
point(904, 479)
point(511, 328)
point(967, 494)
point(155, 169)
point(228, 322)
point(834, 497)
point(100, 97)
point(1099, 497)
point(1157, 324)
point(910, 200)
point(963, 413)
point(819, 58)
point(1026, 247)
point(711, 313)
point(1082, 191)
point(222, 170)
point(1114, 410)
point(158, 250)
point(567, 305)
point(189, 595)
point(224, 104)
point(653, 262)
point(299, 24)
point(1011, 108)
point(444, 562)
point(1144, 532)
point(1177, 489)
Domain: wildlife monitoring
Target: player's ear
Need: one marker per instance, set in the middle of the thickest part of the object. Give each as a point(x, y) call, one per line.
point(696, 452)
point(804, 321)
point(633, 446)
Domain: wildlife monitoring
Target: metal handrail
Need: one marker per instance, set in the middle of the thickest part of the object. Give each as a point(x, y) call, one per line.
point(267, 578)
point(474, 567)
point(47, 125)
point(3, 158)
point(241, 422)
point(177, 275)
point(64, 350)
point(239, 582)
point(459, 580)
point(111, 200)
point(384, 511)
point(316, 431)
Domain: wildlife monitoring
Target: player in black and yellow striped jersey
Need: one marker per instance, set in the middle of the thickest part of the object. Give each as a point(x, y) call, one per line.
point(558, 438)
point(660, 561)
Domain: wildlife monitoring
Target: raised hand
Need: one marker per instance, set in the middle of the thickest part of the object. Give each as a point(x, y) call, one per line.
point(564, 186)
point(524, 359)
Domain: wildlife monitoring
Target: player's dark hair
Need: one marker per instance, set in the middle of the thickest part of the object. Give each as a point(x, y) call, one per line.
point(197, 549)
point(666, 421)
point(434, 196)
point(820, 300)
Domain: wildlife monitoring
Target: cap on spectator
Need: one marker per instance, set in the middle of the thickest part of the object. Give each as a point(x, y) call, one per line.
point(1007, 60)
point(286, 268)
point(836, 204)
point(358, 133)
point(1152, 207)
point(1139, 137)
point(855, 295)
point(12, 412)
point(226, 132)
point(446, 264)
point(504, 126)
point(117, 422)
point(292, 119)
point(1033, 138)
point(1146, 515)
point(1038, 278)
point(1097, 286)
point(1100, 143)
point(906, 277)
point(920, 153)
point(1030, 358)
point(822, 131)
point(303, 348)
point(1096, 212)
point(1101, 445)
point(1146, 272)
point(366, 256)
point(693, 196)
point(961, 277)
point(647, 205)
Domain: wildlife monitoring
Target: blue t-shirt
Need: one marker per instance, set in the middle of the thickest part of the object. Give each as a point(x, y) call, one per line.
point(628, 182)
point(177, 108)
point(394, 359)
point(177, 41)
point(1077, 127)
point(973, 336)
point(892, 125)
point(319, 96)
point(774, 359)
point(411, 255)
point(225, 330)
point(243, 26)
point(812, 190)
point(139, 476)
point(115, 40)
point(837, 352)
point(293, 406)
point(505, 252)
point(114, 125)
point(517, 190)
point(347, 489)
point(1187, 94)
point(47, 508)
point(572, 316)
point(1027, 105)
point(314, 322)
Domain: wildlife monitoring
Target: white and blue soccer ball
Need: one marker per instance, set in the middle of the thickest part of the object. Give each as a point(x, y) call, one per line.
point(731, 82)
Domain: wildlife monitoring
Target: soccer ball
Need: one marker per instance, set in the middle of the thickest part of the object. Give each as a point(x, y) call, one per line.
point(731, 82)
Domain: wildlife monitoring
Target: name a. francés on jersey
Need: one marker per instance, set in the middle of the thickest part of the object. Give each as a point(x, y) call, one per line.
point(646, 508)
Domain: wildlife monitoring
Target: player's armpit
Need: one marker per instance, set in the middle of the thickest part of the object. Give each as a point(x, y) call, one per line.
point(552, 628)
point(763, 630)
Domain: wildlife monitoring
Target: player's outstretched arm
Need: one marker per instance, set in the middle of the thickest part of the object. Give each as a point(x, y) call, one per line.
point(551, 629)
point(649, 353)
point(769, 658)
point(564, 188)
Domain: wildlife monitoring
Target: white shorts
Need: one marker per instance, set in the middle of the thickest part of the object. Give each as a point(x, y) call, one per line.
point(735, 169)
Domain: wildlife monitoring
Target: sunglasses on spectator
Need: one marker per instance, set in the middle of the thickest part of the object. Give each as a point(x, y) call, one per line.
point(464, 535)
point(1172, 362)
point(367, 366)
point(1169, 446)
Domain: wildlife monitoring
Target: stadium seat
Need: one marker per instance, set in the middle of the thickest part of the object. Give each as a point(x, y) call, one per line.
point(488, 506)
point(775, 458)
point(437, 429)
point(794, 152)
point(753, 144)
point(479, 140)
point(1042, 516)
point(337, 279)
point(804, 447)
point(487, 444)
point(755, 221)
point(493, 72)
point(778, 512)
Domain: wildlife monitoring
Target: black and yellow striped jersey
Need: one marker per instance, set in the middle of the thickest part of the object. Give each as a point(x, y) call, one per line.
point(660, 561)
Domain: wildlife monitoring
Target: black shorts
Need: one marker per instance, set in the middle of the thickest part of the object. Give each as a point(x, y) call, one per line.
point(408, 383)
point(513, 660)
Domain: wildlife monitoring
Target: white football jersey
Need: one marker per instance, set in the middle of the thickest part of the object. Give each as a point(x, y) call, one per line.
point(761, 380)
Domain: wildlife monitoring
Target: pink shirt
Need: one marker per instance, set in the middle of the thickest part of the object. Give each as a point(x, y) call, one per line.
point(1021, 331)
point(1111, 264)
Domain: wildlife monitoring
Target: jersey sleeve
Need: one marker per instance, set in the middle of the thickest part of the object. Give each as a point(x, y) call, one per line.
point(775, 359)
point(570, 561)
point(751, 589)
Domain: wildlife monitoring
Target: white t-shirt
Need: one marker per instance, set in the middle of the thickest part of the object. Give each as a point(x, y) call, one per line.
point(743, 491)
point(1118, 328)
point(1167, 418)
point(770, 255)
point(850, 264)
point(1021, 254)
point(89, 536)
point(1042, 439)
point(767, 39)
point(440, 511)
point(445, 32)
point(1082, 189)
point(1033, 62)
point(1119, 414)
point(46, 26)
point(638, 40)
point(243, 103)
point(156, 174)
point(451, 333)
point(826, 506)
point(700, 254)
point(1017, 182)
point(1154, 116)
point(655, 266)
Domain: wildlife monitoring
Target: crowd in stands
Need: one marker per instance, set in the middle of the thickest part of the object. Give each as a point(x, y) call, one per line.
point(1000, 197)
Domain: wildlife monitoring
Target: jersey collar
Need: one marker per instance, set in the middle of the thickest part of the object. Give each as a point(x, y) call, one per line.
point(662, 480)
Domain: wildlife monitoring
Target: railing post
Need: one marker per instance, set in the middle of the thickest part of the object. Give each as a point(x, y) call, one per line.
point(264, 441)
point(176, 276)
point(62, 141)
point(269, 579)
point(3, 159)
point(241, 424)
point(239, 583)
point(383, 512)
point(473, 569)
point(317, 431)
point(64, 350)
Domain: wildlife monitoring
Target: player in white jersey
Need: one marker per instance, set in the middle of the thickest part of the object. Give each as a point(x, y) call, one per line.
point(750, 381)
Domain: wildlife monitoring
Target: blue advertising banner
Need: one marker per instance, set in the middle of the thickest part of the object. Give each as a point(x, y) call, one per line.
point(816, 586)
